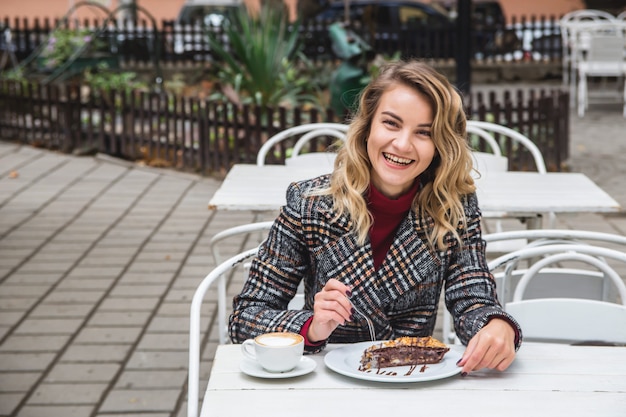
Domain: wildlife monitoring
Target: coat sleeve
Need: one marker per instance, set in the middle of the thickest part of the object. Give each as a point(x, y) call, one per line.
point(470, 292)
point(274, 277)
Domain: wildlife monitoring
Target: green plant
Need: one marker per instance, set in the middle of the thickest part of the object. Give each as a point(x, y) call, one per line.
point(101, 78)
point(263, 64)
point(62, 44)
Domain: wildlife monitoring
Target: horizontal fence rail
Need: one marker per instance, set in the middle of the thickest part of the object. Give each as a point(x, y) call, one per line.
point(523, 39)
point(208, 137)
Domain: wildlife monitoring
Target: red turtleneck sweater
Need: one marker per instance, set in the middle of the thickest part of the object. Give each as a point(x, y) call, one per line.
point(387, 214)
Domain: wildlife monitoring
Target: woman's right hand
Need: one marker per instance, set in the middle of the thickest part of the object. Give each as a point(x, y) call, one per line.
point(330, 309)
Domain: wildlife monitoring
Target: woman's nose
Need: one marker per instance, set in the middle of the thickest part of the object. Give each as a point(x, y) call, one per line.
point(402, 140)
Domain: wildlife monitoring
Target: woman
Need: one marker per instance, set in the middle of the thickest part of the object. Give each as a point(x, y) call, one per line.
point(395, 222)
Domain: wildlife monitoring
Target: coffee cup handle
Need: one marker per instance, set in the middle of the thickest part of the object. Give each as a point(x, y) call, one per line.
point(247, 348)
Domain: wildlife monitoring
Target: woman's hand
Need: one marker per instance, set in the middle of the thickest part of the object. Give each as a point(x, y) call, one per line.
point(492, 347)
point(330, 309)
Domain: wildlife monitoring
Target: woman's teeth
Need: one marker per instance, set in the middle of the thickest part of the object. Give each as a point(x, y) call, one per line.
point(397, 160)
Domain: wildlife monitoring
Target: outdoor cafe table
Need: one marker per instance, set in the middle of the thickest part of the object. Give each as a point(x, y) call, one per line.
point(509, 194)
point(544, 380)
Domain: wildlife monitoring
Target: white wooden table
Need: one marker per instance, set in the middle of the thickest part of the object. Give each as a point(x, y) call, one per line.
point(545, 380)
point(512, 194)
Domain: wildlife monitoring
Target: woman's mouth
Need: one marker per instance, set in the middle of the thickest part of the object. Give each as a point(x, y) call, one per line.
point(396, 160)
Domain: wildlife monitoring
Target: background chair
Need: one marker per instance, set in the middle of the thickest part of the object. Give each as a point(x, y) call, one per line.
point(299, 137)
point(605, 58)
point(571, 25)
point(487, 129)
point(558, 281)
point(567, 319)
point(566, 280)
point(487, 164)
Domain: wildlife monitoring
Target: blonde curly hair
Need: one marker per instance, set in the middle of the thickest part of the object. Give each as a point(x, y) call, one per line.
point(445, 181)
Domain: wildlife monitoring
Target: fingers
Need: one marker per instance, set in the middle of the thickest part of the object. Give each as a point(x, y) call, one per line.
point(332, 302)
point(335, 285)
point(492, 347)
point(330, 309)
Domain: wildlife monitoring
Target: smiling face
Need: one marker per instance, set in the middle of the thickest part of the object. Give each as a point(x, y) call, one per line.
point(399, 145)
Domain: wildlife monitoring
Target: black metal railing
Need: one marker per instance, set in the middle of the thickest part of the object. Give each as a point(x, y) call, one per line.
point(524, 39)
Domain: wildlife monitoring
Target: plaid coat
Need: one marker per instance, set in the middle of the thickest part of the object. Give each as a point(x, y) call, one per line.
point(308, 243)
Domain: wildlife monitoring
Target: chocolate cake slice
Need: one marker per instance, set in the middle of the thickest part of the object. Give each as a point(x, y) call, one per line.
point(402, 352)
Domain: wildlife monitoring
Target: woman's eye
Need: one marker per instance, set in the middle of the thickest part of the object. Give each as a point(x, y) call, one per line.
point(391, 123)
point(423, 133)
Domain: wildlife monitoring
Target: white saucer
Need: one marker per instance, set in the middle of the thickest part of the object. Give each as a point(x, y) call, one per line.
point(252, 368)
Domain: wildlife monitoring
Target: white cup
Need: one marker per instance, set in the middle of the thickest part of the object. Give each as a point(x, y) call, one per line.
point(275, 352)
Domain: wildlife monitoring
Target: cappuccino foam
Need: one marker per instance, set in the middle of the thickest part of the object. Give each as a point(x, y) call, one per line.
point(278, 341)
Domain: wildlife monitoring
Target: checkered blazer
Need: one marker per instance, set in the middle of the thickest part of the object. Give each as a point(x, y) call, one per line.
point(308, 243)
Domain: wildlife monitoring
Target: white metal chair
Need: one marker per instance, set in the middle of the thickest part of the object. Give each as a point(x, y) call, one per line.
point(485, 162)
point(486, 129)
point(568, 280)
point(605, 58)
point(219, 273)
point(495, 162)
point(571, 25)
point(194, 324)
point(569, 319)
point(566, 321)
point(577, 282)
point(304, 134)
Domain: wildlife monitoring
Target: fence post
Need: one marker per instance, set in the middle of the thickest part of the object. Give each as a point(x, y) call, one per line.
point(70, 107)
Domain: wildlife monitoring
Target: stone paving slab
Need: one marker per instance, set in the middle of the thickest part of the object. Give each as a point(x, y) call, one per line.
point(99, 259)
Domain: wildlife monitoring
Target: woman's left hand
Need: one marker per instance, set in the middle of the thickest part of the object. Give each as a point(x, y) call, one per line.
point(492, 347)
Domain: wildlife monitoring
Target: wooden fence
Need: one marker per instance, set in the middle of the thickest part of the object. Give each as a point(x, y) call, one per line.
point(207, 137)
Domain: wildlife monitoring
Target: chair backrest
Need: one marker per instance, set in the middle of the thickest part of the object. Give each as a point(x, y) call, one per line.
point(194, 324)
point(476, 126)
point(494, 146)
point(599, 281)
point(219, 273)
point(570, 320)
point(571, 23)
point(567, 319)
point(586, 15)
point(569, 255)
point(487, 163)
point(303, 133)
point(540, 256)
point(217, 242)
point(605, 48)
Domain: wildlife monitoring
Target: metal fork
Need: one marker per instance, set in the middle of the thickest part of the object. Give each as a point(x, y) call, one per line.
point(370, 325)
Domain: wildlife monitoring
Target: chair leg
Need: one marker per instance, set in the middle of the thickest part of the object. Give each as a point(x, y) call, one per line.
point(572, 89)
point(624, 109)
point(582, 94)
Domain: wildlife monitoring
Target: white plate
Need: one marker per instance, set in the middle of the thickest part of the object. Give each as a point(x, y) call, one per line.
point(346, 360)
point(252, 368)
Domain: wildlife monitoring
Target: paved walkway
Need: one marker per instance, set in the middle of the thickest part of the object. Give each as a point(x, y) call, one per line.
point(99, 259)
